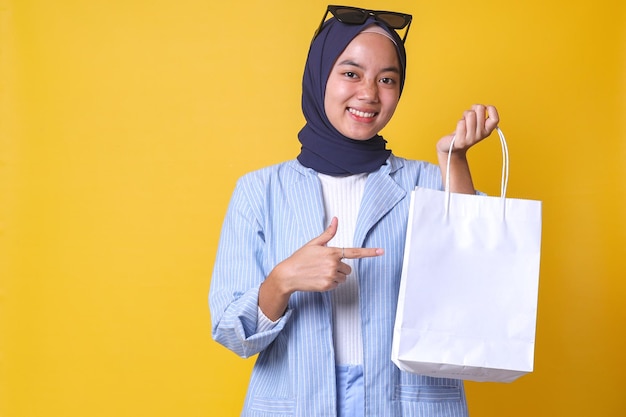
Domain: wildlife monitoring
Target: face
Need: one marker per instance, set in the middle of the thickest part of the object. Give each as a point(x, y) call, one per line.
point(363, 88)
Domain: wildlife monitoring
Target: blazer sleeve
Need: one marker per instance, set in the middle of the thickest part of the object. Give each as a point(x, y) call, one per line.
point(238, 273)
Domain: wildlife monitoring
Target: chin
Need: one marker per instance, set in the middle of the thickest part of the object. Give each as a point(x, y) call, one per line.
point(359, 135)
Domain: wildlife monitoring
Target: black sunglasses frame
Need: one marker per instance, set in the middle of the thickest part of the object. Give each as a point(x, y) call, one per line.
point(358, 16)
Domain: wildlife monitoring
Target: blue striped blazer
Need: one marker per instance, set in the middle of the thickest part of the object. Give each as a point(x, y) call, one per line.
point(275, 211)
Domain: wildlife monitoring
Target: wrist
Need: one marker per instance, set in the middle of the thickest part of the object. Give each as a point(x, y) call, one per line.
point(274, 295)
point(456, 156)
point(278, 282)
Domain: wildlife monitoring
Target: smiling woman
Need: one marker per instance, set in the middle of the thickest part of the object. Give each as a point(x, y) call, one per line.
point(315, 300)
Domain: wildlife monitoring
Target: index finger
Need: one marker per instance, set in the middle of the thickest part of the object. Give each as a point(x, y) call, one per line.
point(356, 253)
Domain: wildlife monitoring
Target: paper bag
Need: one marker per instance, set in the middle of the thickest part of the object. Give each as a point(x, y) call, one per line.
point(467, 306)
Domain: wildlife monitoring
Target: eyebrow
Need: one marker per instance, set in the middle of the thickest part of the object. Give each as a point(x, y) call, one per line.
point(355, 64)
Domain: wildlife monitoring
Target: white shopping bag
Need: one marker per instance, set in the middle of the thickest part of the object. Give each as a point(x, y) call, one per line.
point(467, 306)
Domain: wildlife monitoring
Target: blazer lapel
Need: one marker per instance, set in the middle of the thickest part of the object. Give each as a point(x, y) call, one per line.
point(381, 194)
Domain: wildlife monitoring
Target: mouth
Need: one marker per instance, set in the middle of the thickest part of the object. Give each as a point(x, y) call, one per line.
point(362, 114)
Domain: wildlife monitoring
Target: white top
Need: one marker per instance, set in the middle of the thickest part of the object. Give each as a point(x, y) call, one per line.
point(342, 199)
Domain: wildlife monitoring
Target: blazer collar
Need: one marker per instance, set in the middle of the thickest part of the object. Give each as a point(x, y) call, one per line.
point(381, 194)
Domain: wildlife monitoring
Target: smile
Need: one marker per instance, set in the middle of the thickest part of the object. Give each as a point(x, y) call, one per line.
point(360, 113)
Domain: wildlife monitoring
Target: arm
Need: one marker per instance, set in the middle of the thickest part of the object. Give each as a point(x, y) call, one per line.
point(237, 275)
point(241, 284)
point(476, 124)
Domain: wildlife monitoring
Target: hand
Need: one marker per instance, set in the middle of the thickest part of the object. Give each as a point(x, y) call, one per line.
point(476, 124)
point(313, 267)
point(317, 267)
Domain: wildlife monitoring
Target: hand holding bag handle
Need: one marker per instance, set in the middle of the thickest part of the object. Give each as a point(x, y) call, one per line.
point(505, 172)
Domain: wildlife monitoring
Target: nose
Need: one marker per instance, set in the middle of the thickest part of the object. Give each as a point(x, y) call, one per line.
point(368, 91)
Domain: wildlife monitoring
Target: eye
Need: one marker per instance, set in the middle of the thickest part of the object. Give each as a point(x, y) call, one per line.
point(350, 74)
point(388, 81)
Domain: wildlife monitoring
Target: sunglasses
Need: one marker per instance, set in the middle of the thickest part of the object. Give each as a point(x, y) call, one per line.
point(358, 16)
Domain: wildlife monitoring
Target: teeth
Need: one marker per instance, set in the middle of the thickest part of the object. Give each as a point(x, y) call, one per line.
point(360, 113)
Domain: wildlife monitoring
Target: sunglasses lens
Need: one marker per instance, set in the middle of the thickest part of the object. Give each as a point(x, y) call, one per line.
point(350, 15)
point(394, 21)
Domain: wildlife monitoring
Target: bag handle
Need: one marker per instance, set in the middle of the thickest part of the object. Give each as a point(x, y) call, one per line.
point(505, 171)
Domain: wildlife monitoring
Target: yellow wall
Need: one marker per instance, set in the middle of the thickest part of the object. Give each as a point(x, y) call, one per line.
point(125, 123)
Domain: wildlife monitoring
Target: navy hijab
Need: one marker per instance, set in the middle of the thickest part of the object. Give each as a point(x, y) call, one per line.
point(323, 148)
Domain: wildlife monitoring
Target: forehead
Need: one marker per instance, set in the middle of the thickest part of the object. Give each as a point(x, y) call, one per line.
point(371, 47)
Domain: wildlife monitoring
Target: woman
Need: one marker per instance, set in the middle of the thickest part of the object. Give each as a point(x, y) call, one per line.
point(308, 267)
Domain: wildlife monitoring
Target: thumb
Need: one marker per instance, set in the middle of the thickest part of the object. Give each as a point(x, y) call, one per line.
point(327, 234)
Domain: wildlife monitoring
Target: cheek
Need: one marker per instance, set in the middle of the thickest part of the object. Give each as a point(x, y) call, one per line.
point(390, 102)
point(333, 101)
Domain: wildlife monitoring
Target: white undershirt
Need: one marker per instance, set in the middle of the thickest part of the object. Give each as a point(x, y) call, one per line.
point(342, 199)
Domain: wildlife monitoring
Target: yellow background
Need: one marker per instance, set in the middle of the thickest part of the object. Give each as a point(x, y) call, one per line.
point(125, 123)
